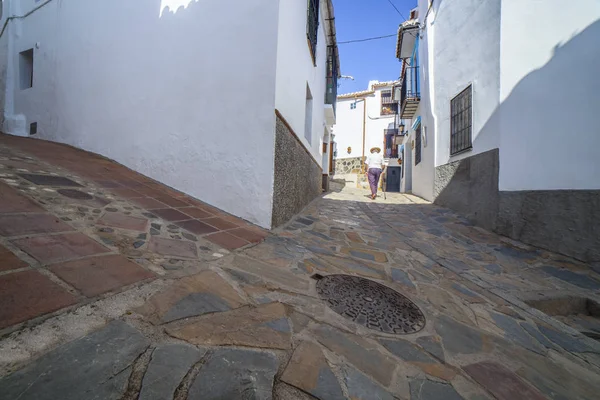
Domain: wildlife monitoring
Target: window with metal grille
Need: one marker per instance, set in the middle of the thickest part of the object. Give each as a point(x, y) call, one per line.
point(312, 27)
point(353, 106)
point(388, 105)
point(461, 121)
point(418, 145)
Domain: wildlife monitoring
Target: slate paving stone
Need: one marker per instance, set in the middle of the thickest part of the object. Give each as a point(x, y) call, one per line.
point(501, 382)
point(13, 202)
point(226, 240)
point(61, 247)
point(406, 351)
point(432, 345)
point(235, 374)
point(97, 275)
point(581, 280)
point(308, 370)
point(49, 180)
point(271, 273)
point(95, 367)
point(122, 221)
point(26, 224)
point(362, 354)
point(195, 304)
point(28, 294)
point(9, 261)
point(169, 364)
point(197, 227)
point(172, 247)
point(402, 277)
point(170, 214)
point(458, 338)
point(361, 387)
point(251, 235)
point(514, 331)
point(424, 389)
point(223, 328)
point(565, 341)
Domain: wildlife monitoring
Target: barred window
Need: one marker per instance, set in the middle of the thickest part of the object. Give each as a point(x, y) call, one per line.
point(460, 121)
point(312, 27)
point(418, 145)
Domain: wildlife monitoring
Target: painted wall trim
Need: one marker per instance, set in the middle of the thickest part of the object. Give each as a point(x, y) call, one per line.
point(278, 114)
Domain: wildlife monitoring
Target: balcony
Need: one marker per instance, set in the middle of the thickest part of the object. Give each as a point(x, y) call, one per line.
point(332, 77)
point(391, 146)
point(410, 96)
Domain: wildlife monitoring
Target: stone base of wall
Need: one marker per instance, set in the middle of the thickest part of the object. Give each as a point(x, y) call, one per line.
point(470, 187)
point(344, 166)
point(297, 177)
point(563, 221)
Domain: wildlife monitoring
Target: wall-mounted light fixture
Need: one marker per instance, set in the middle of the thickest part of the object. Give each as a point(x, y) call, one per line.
point(349, 149)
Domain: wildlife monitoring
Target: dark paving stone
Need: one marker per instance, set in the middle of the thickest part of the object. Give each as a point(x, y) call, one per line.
point(361, 387)
point(138, 244)
point(9, 261)
point(123, 221)
point(62, 247)
point(111, 209)
point(96, 366)
point(424, 389)
point(537, 335)
point(466, 291)
point(250, 235)
point(171, 247)
point(406, 351)
point(516, 253)
point(363, 255)
point(195, 212)
point(280, 325)
point(195, 304)
point(494, 268)
point(458, 338)
point(431, 345)
point(583, 281)
point(170, 363)
point(400, 276)
point(453, 265)
point(220, 223)
point(156, 226)
point(28, 294)
point(514, 332)
point(97, 275)
point(565, 341)
point(235, 374)
point(75, 194)
point(154, 232)
point(149, 215)
point(197, 227)
point(226, 240)
point(320, 235)
point(49, 180)
point(26, 224)
point(304, 221)
point(142, 236)
point(189, 236)
point(170, 214)
point(501, 382)
point(243, 277)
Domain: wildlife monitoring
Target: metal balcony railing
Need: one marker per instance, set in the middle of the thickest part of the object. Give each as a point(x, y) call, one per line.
point(410, 92)
point(332, 77)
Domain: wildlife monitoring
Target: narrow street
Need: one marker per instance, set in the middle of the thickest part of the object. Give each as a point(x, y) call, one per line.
point(107, 292)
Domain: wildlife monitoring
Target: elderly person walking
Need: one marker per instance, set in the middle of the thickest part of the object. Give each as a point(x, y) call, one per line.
point(375, 167)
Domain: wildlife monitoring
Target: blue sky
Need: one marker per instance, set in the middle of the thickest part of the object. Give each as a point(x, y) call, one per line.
point(359, 19)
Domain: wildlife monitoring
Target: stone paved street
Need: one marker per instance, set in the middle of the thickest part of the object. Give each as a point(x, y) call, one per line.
point(113, 286)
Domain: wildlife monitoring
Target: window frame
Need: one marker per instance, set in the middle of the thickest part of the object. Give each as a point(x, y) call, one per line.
point(312, 32)
point(418, 144)
point(461, 144)
point(393, 105)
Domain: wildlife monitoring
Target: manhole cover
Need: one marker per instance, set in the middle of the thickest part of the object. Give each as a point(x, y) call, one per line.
point(75, 194)
point(371, 304)
point(49, 180)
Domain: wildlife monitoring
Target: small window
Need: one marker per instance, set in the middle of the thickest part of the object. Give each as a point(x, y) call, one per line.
point(308, 116)
point(26, 69)
point(312, 27)
point(460, 121)
point(353, 106)
point(388, 105)
point(418, 145)
point(33, 128)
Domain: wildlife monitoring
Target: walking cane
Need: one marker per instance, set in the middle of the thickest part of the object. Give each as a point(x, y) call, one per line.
point(383, 182)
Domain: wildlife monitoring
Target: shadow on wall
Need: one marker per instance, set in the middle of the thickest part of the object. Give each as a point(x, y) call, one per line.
point(549, 140)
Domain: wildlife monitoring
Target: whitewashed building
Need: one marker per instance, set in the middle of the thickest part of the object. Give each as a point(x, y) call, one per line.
point(507, 112)
point(228, 101)
point(365, 119)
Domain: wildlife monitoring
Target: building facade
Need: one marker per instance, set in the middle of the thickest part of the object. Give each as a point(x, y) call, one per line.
point(225, 101)
point(495, 77)
point(365, 120)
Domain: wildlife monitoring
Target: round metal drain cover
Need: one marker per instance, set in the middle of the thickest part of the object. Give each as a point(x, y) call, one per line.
point(75, 194)
point(371, 304)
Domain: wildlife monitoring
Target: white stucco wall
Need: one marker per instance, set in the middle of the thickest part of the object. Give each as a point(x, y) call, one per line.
point(550, 61)
point(466, 44)
point(348, 128)
point(349, 125)
point(423, 174)
point(185, 97)
point(295, 69)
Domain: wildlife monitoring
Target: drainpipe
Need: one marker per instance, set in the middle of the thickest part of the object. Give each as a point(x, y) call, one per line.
point(362, 162)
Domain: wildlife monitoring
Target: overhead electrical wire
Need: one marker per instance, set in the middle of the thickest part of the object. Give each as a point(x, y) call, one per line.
point(367, 39)
point(396, 8)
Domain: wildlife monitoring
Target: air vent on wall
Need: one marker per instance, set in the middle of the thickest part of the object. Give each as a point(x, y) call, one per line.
point(33, 128)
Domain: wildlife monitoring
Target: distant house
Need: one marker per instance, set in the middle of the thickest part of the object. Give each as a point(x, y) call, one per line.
point(229, 101)
point(503, 98)
point(364, 120)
